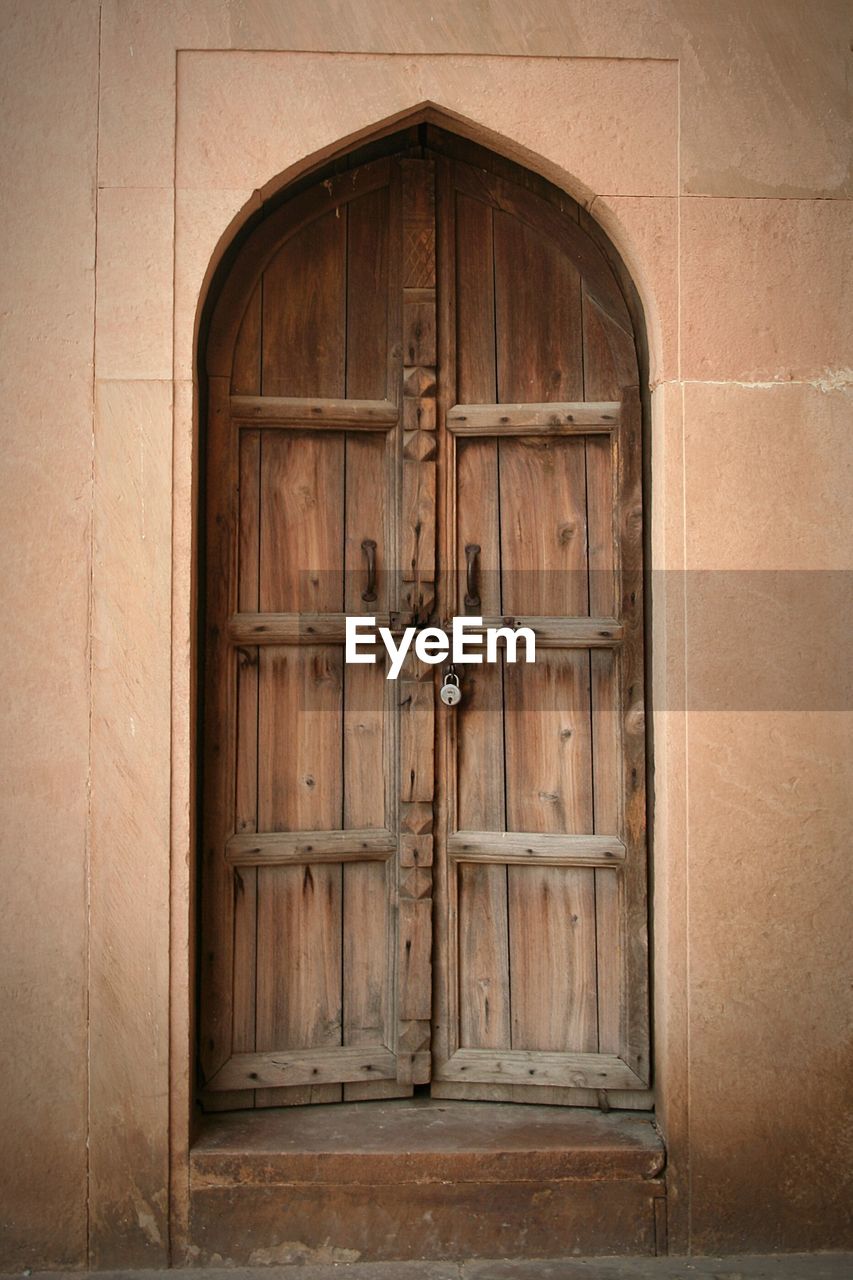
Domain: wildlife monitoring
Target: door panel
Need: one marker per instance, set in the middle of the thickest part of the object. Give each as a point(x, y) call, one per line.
point(307, 904)
point(540, 867)
point(543, 556)
point(422, 402)
point(548, 744)
point(538, 320)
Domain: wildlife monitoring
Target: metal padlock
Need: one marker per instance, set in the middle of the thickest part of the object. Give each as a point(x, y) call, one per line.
point(451, 694)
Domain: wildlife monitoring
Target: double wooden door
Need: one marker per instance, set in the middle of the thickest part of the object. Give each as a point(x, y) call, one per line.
point(422, 403)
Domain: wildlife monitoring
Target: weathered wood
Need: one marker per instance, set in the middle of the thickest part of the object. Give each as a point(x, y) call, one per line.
point(479, 969)
point(548, 744)
point(358, 411)
point(417, 548)
point(319, 414)
point(217, 914)
point(555, 633)
point(635, 1046)
point(538, 315)
point(304, 1067)
point(301, 713)
point(282, 225)
point(253, 629)
point(535, 847)
point(365, 520)
point(563, 232)
point(556, 1096)
point(299, 628)
point(576, 1070)
point(246, 815)
point(417, 773)
point(282, 848)
point(543, 527)
point(246, 369)
point(369, 255)
point(304, 313)
point(548, 419)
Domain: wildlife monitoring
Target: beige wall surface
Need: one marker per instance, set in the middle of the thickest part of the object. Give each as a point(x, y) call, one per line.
point(712, 142)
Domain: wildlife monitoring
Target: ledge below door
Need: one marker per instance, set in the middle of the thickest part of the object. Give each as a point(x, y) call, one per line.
point(424, 1178)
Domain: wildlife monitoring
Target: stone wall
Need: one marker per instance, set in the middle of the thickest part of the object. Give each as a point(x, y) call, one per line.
point(711, 141)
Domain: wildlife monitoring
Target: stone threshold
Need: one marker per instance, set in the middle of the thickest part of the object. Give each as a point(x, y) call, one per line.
point(424, 1179)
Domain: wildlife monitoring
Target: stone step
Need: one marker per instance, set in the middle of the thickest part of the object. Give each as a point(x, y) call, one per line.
point(424, 1178)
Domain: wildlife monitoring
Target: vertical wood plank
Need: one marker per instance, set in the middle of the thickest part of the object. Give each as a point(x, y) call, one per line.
point(552, 959)
point(299, 908)
point(609, 906)
point(635, 915)
point(304, 312)
point(484, 1005)
point(216, 965)
point(246, 380)
point(476, 378)
point(445, 1018)
point(302, 513)
point(548, 744)
point(246, 369)
point(299, 989)
point(418, 571)
point(552, 944)
point(543, 527)
point(609, 363)
point(367, 267)
point(366, 518)
point(483, 955)
point(246, 817)
point(538, 307)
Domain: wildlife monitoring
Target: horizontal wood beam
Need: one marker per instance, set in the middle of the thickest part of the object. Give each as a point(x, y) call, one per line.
point(283, 848)
point(332, 415)
point(560, 633)
point(296, 628)
point(530, 847)
point(519, 1066)
point(330, 628)
point(304, 1066)
point(555, 419)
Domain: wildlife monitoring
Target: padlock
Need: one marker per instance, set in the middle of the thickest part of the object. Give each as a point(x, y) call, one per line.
point(451, 694)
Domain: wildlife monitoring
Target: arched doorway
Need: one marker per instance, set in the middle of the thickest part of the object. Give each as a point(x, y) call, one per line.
point(422, 404)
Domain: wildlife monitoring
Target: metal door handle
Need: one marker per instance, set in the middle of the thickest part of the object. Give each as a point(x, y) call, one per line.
point(369, 549)
point(472, 599)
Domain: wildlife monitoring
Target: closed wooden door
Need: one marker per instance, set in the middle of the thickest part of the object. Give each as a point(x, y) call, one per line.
point(422, 403)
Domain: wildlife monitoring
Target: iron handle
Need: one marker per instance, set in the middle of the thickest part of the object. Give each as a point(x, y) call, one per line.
point(368, 546)
point(472, 599)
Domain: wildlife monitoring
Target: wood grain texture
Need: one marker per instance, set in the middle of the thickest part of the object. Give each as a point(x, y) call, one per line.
point(519, 1066)
point(537, 451)
point(532, 848)
point(246, 816)
point(543, 527)
point(281, 848)
point(533, 419)
point(304, 312)
point(417, 527)
point(327, 414)
point(552, 958)
point(217, 903)
point(538, 316)
point(304, 1068)
point(348, 412)
point(302, 518)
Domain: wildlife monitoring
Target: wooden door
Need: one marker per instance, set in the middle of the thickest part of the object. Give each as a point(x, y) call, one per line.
point(541, 903)
point(408, 359)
